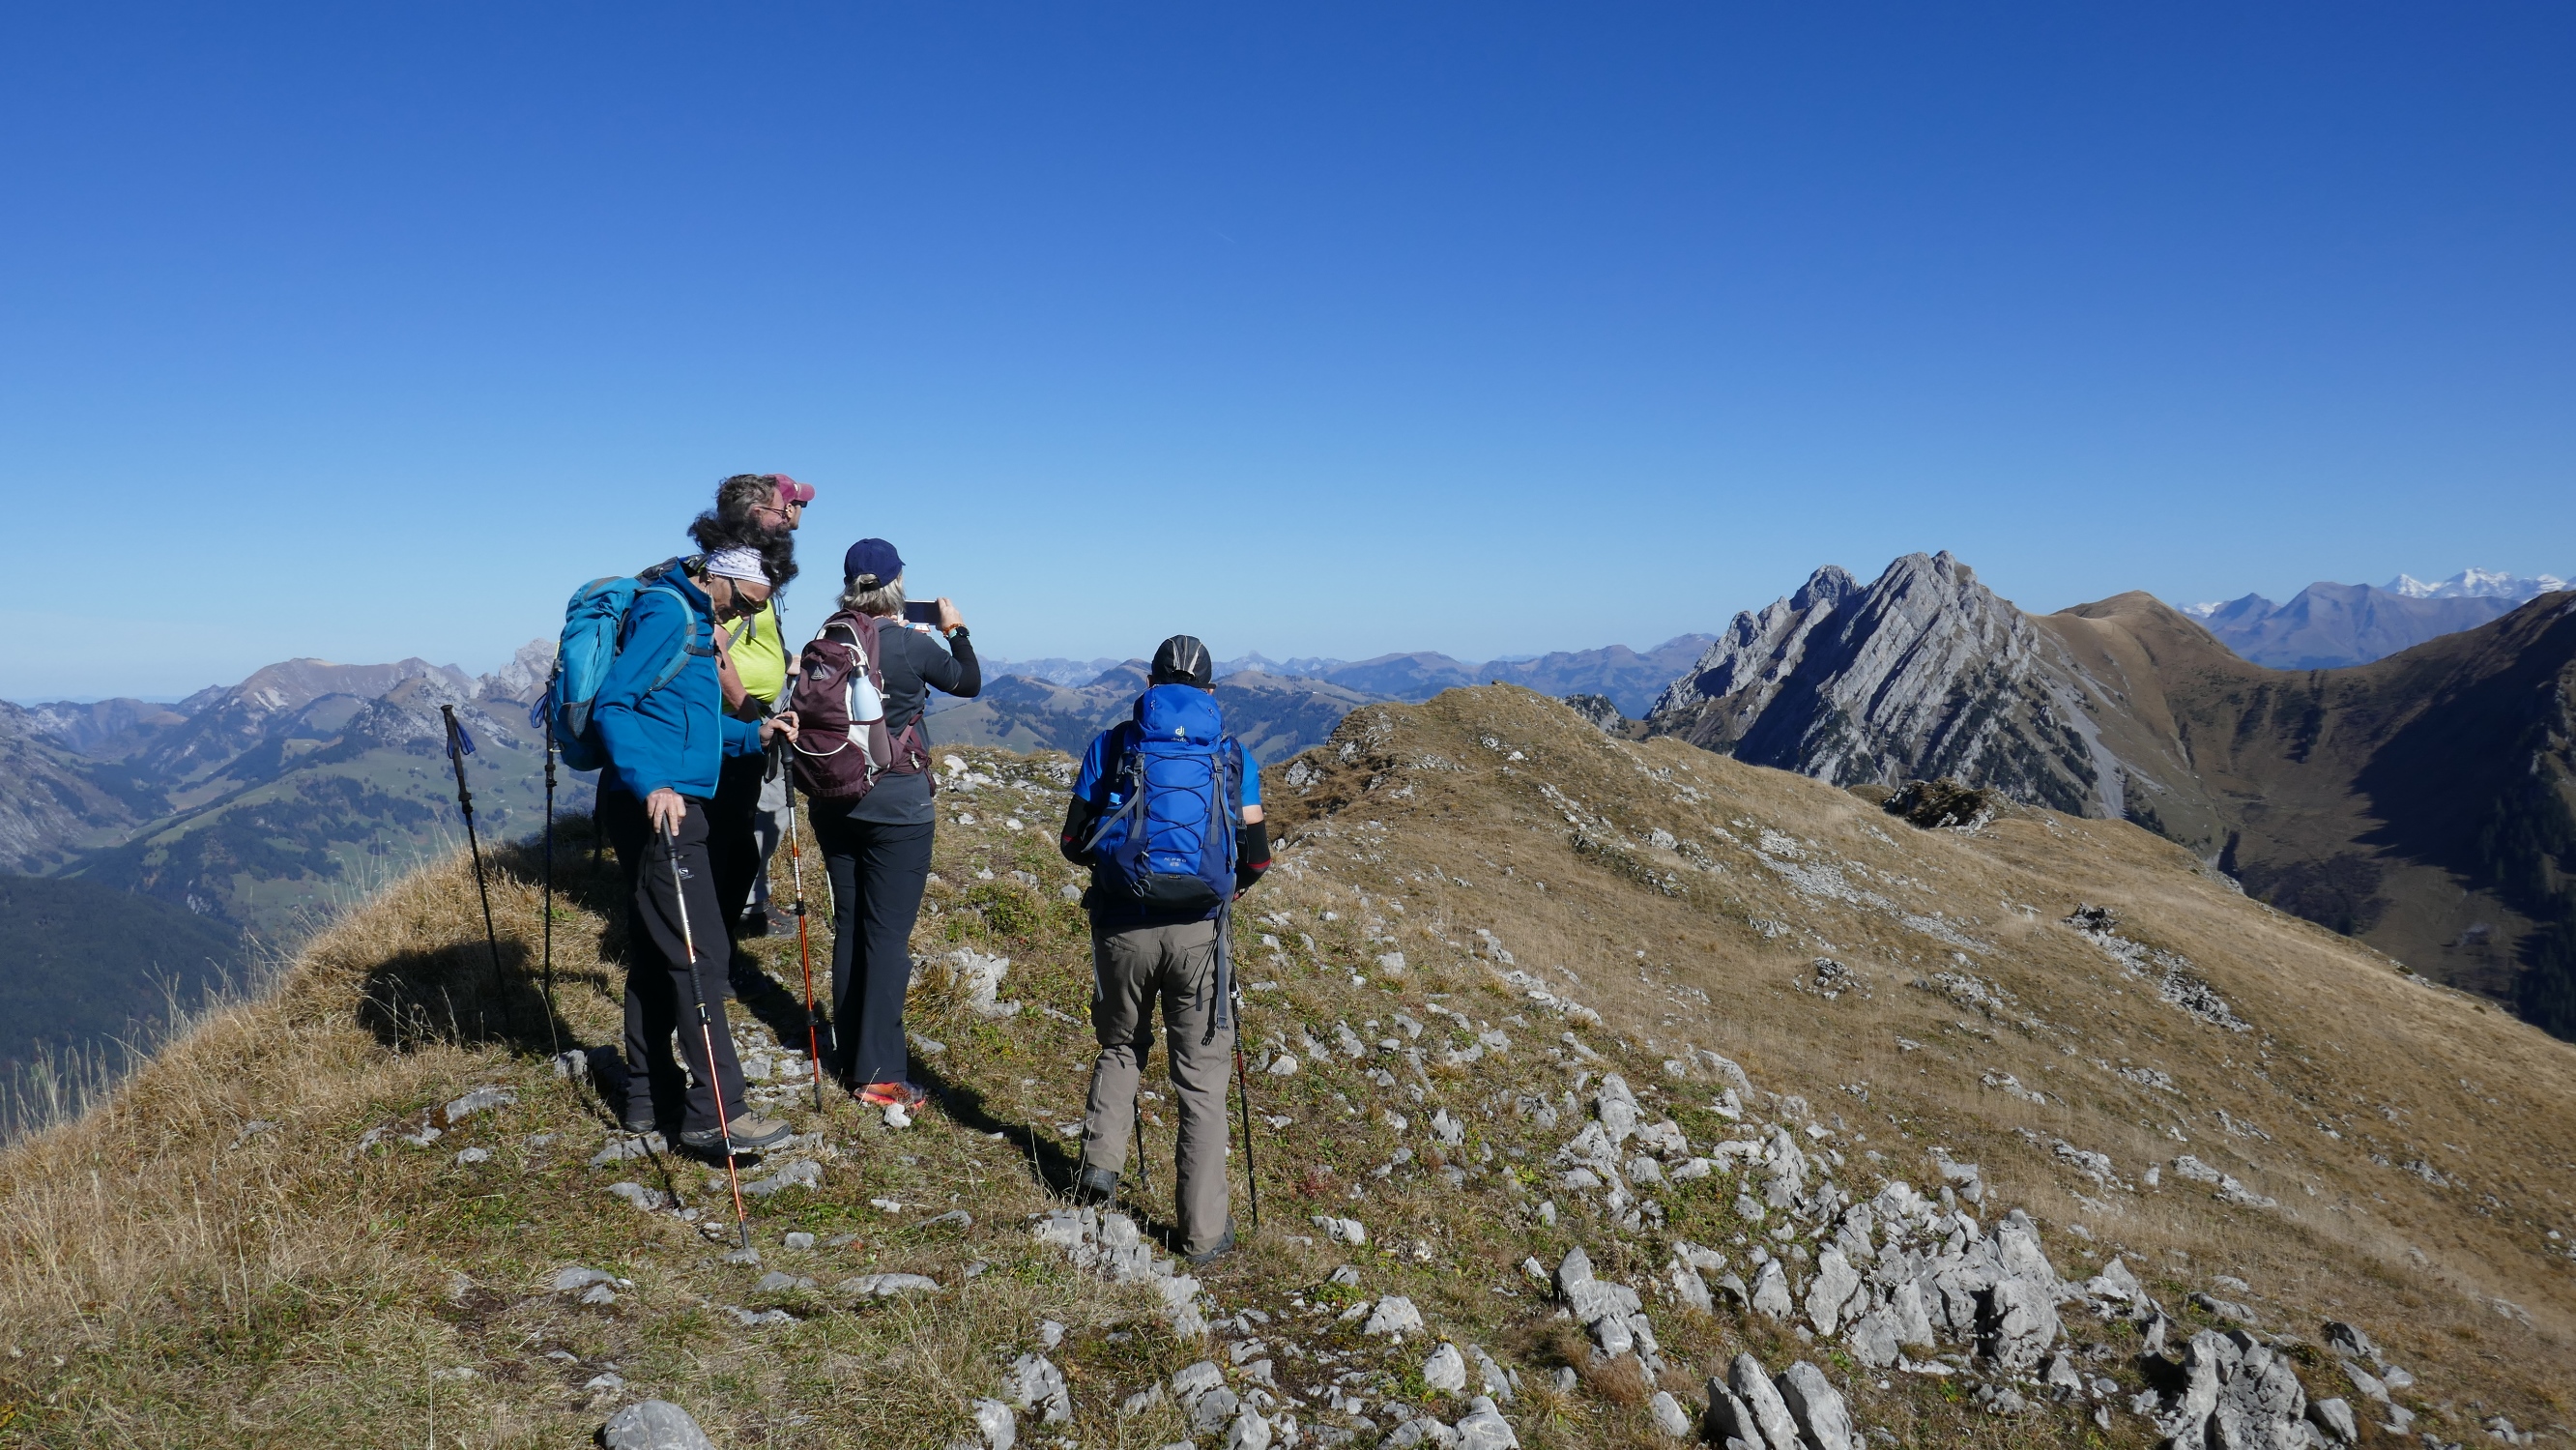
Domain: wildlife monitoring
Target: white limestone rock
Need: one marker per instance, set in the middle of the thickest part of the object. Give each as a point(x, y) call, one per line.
point(1771, 1291)
point(995, 1425)
point(1770, 1413)
point(1394, 1314)
point(656, 1425)
point(1484, 1428)
point(1036, 1385)
point(1832, 1290)
point(1817, 1407)
point(1445, 1369)
point(1668, 1414)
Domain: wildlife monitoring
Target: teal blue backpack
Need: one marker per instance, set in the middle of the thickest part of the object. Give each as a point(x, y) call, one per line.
point(594, 621)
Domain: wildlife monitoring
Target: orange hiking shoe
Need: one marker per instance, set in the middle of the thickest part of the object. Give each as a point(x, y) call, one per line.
point(893, 1095)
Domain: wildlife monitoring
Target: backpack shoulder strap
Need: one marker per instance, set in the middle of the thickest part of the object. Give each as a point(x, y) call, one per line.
point(1117, 757)
point(1120, 756)
point(688, 637)
point(1225, 791)
point(862, 646)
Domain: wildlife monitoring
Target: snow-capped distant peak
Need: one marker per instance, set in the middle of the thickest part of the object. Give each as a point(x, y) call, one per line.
point(2477, 584)
point(2205, 610)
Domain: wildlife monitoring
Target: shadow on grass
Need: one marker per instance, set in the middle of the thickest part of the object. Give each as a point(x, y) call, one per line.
point(471, 994)
point(1145, 1197)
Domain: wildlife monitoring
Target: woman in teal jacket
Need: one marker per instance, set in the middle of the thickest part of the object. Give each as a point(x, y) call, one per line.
point(666, 752)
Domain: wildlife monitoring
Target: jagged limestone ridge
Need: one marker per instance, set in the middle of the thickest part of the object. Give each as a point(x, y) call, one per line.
point(1924, 673)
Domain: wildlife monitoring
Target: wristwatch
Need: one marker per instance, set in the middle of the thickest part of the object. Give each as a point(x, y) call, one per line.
point(958, 633)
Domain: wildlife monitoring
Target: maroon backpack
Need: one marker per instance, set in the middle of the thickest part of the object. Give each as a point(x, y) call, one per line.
point(837, 755)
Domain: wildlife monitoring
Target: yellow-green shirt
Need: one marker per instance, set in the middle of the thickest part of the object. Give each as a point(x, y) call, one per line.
point(759, 656)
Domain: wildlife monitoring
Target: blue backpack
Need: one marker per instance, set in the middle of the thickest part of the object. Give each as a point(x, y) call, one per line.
point(594, 623)
point(1167, 841)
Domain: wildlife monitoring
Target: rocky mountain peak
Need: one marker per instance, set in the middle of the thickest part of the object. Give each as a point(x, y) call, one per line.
point(524, 677)
point(2124, 708)
point(1924, 673)
point(1755, 650)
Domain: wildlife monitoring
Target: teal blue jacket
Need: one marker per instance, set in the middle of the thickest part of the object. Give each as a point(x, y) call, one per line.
point(676, 736)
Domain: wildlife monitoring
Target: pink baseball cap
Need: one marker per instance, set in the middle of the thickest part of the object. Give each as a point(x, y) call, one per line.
point(792, 492)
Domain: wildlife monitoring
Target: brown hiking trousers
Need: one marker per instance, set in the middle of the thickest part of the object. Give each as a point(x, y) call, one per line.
point(1130, 970)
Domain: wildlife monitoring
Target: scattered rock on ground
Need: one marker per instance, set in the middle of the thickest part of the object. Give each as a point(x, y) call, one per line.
point(1394, 1314)
point(1944, 804)
point(656, 1425)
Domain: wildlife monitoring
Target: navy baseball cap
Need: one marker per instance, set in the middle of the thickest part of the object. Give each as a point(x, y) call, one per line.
point(872, 556)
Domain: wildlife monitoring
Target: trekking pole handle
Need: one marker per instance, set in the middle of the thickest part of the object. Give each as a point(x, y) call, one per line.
point(456, 758)
point(680, 899)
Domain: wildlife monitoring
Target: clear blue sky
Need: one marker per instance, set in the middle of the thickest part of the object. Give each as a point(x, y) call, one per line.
point(366, 331)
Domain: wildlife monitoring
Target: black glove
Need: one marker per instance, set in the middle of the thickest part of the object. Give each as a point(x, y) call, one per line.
point(1251, 854)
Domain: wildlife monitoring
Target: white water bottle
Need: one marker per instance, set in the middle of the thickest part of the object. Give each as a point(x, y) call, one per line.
point(865, 705)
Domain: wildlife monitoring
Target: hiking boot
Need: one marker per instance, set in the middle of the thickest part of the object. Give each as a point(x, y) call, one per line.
point(750, 1133)
point(1215, 1251)
point(754, 922)
point(893, 1095)
point(1096, 1185)
point(639, 1118)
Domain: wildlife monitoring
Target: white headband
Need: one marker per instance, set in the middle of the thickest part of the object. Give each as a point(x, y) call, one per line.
point(737, 564)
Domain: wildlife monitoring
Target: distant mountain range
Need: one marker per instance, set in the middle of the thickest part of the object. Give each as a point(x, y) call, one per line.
point(253, 806)
point(1275, 716)
point(2425, 803)
point(1279, 707)
point(256, 804)
point(2478, 584)
point(1626, 677)
point(2330, 626)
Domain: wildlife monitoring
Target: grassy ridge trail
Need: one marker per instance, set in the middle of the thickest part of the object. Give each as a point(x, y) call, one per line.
point(1514, 989)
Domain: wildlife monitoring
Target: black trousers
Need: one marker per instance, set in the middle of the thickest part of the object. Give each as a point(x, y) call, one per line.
point(664, 989)
point(877, 876)
point(733, 848)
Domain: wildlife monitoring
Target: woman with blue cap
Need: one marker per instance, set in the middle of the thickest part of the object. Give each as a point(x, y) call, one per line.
point(865, 682)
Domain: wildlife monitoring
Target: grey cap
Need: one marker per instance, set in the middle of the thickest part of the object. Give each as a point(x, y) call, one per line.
point(1182, 660)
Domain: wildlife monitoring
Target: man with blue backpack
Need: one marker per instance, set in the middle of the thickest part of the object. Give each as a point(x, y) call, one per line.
point(1167, 814)
point(637, 695)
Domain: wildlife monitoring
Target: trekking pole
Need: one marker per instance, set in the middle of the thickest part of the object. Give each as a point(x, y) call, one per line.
point(1242, 1077)
point(460, 745)
point(1243, 1088)
point(796, 866)
point(706, 1031)
point(552, 1036)
point(1144, 1164)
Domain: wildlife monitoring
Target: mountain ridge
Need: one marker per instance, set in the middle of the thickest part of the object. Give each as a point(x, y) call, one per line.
point(1612, 1065)
point(2295, 781)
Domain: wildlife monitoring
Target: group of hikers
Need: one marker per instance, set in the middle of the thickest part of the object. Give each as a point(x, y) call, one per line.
point(679, 685)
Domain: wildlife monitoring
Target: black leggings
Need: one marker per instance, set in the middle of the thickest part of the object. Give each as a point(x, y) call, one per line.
point(877, 876)
point(733, 844)
point(664, 989)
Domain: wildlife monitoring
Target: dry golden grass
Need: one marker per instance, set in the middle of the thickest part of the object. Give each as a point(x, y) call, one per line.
point(166, 1279)
point(2341, 1037)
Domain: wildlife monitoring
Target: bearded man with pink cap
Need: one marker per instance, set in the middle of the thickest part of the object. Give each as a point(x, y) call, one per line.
point(747, 816)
